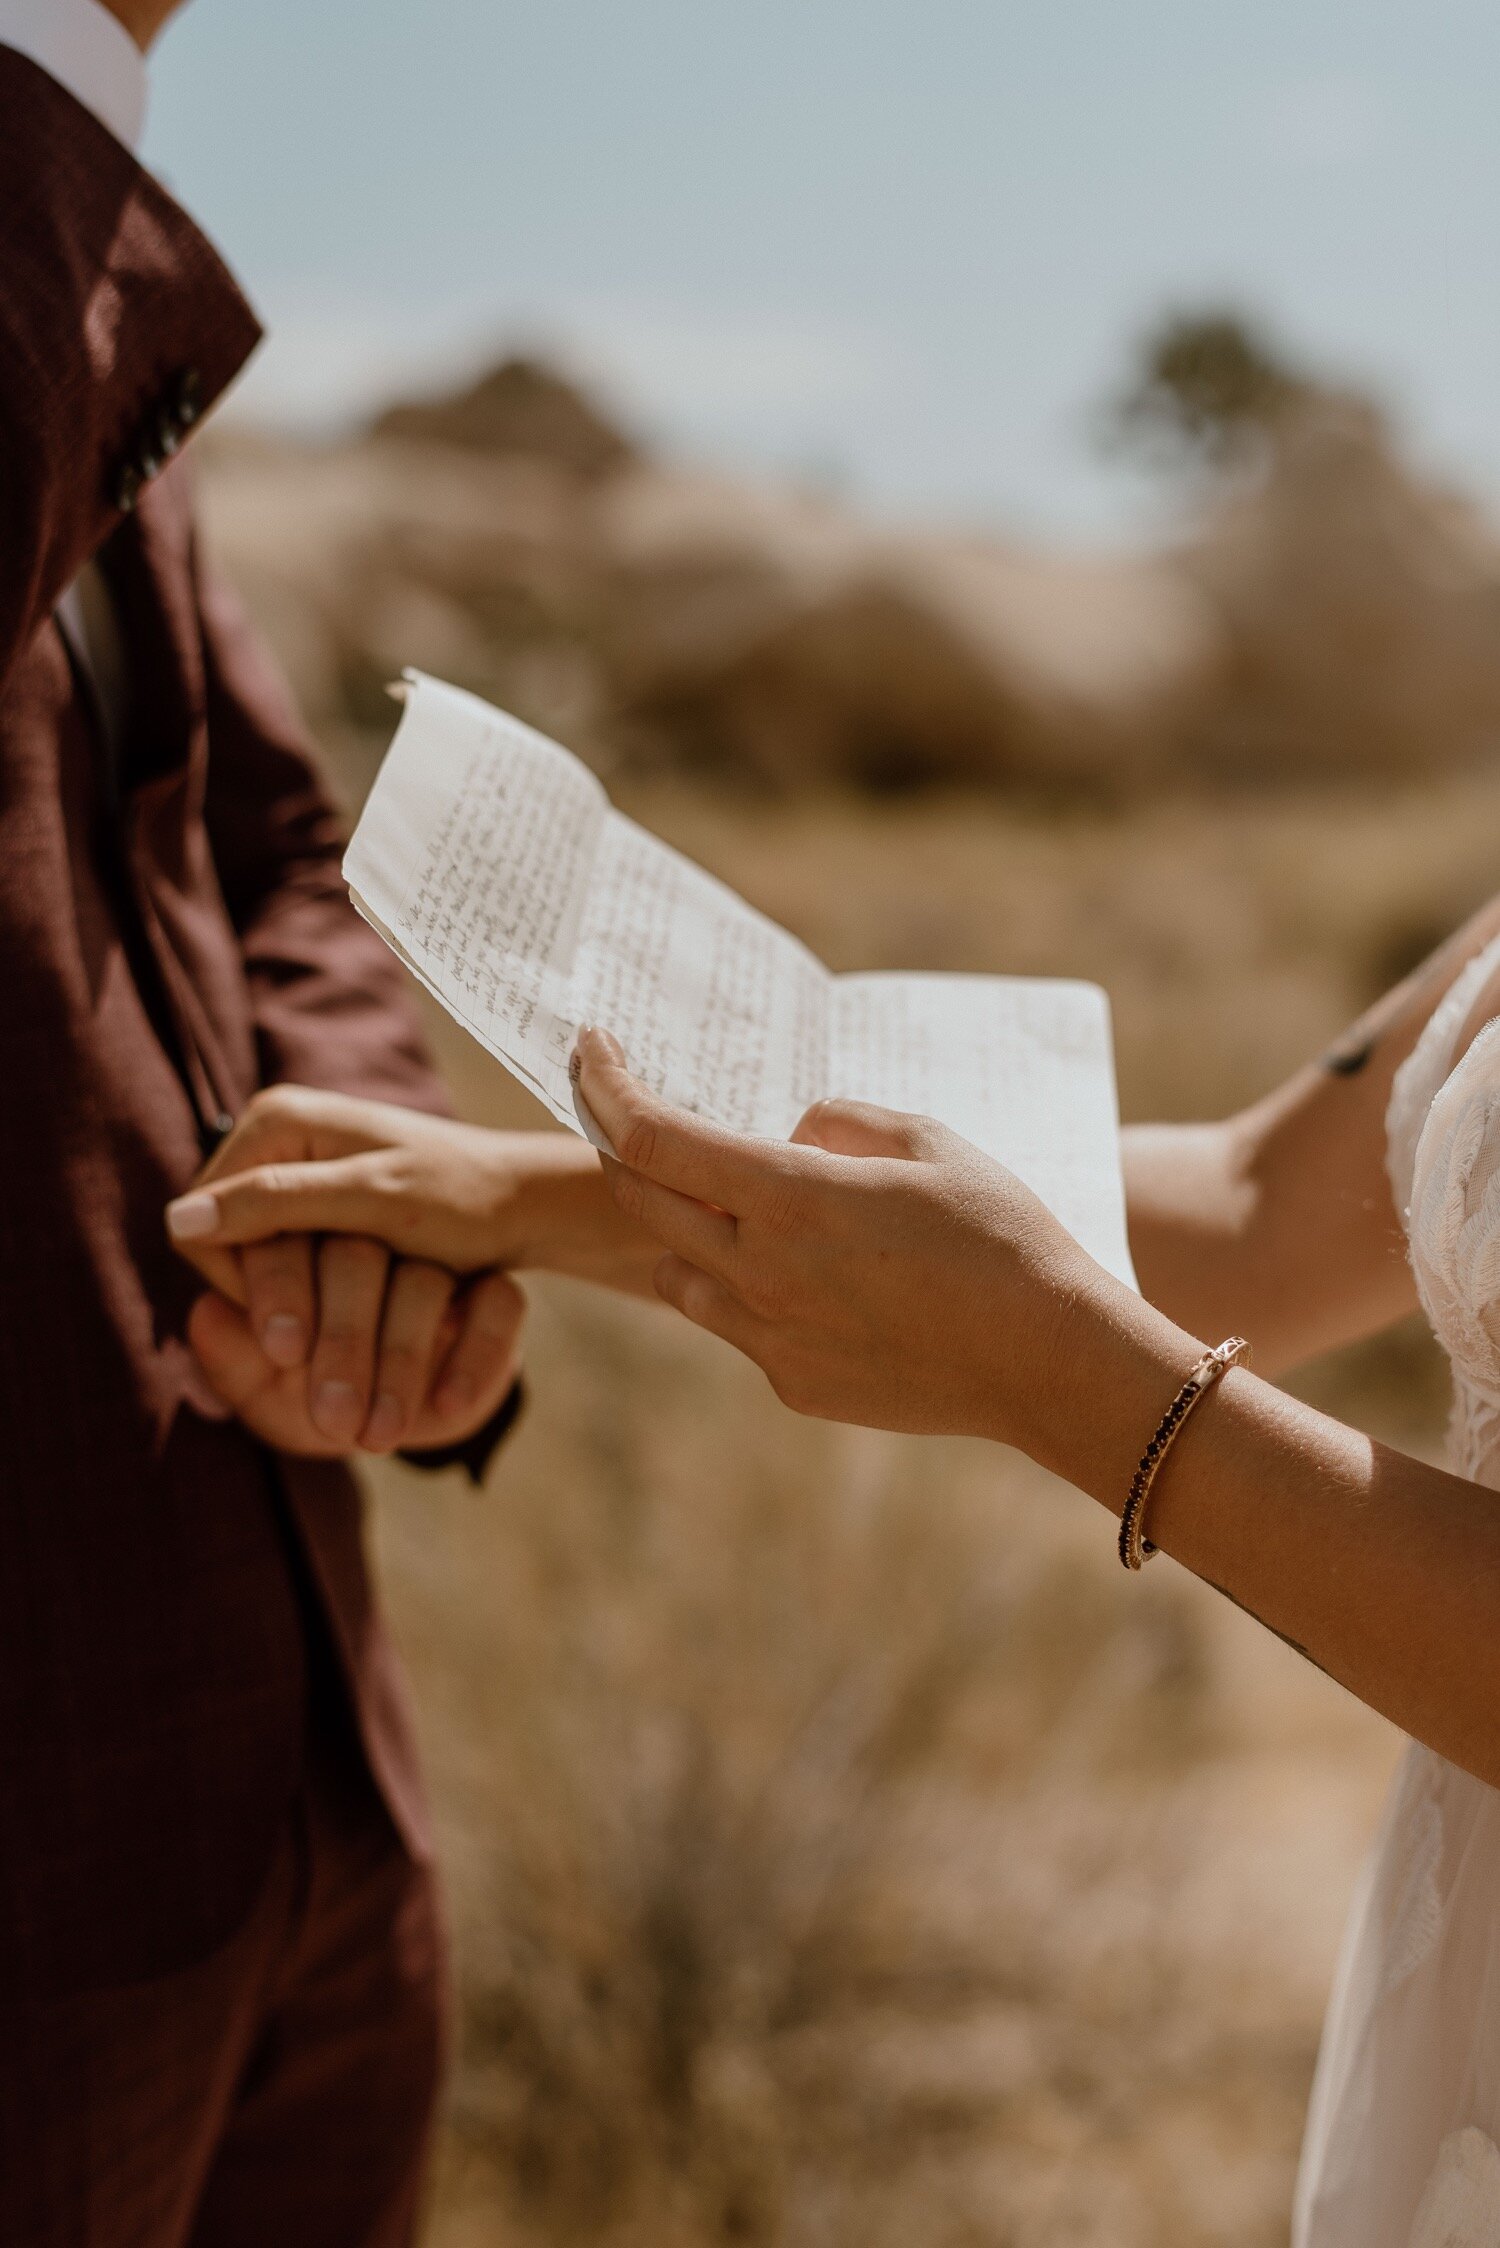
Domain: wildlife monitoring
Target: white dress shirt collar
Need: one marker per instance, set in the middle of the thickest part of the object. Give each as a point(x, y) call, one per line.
point(87, 50)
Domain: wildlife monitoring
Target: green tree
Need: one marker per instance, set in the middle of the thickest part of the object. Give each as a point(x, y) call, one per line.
point(1208, 388)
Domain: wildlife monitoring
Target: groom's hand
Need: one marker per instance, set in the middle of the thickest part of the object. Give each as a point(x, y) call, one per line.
point(393, 1353)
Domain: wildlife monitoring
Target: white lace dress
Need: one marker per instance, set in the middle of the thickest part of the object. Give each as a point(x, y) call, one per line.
point(1403, 2135)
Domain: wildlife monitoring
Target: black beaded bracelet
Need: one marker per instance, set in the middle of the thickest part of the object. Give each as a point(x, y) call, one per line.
point(1135, 1547)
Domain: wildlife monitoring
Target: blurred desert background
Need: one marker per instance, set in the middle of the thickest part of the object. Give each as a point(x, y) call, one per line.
point(842, 1852)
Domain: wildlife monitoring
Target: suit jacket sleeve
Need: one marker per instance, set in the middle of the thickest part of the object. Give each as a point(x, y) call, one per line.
point(330, 1002)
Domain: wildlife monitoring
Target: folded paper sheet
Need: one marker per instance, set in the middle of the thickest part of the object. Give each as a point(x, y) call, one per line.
point(491, 861)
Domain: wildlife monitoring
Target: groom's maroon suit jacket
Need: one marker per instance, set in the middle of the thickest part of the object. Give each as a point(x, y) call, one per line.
point(173, 933)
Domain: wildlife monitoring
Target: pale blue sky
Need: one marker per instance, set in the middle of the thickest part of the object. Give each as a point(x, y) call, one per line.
point(903, 244)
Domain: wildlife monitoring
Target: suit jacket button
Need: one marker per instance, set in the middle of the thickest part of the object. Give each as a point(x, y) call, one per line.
point(127, 488)
point(187, 398)
point(214, 1131)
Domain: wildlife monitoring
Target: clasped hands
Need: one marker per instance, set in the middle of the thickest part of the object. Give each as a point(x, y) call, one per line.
point(323, 1344)
point(877, 1267)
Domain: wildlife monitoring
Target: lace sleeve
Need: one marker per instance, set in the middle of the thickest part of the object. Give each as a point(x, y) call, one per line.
point(1453, 1222)
point(1422, 1075)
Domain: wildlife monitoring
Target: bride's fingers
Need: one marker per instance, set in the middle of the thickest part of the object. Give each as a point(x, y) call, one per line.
point(264, 1134)
point(367, 1193)
point(669, 1145)
point(343, 1195)
point(705, 1237)
point(709, 1304)
point(298, 1124)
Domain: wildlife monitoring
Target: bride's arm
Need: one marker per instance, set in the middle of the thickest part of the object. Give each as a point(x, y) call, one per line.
point(884, 1272)
point(1279, 1221)
point(457, 1195)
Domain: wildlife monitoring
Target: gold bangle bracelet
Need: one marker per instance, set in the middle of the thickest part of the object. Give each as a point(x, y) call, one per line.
point(1135, 1546)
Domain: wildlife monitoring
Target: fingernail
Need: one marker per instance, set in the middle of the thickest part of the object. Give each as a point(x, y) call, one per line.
point(596, 1045)
point(385, 1423)
point(284, 1339)
point(455, 1396)
point(193, 1216)
point(338, 1409)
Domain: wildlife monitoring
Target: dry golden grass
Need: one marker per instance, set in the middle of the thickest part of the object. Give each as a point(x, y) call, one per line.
point(842, 1851)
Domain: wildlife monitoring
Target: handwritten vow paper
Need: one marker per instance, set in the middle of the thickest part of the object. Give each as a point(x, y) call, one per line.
point(491, 860)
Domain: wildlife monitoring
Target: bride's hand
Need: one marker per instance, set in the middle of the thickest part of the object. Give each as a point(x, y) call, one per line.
point(878, 1268)
point(302, 1162)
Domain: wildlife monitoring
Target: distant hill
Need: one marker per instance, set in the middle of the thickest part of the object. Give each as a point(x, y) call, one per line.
point(1329, 611)
point(519, 407)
